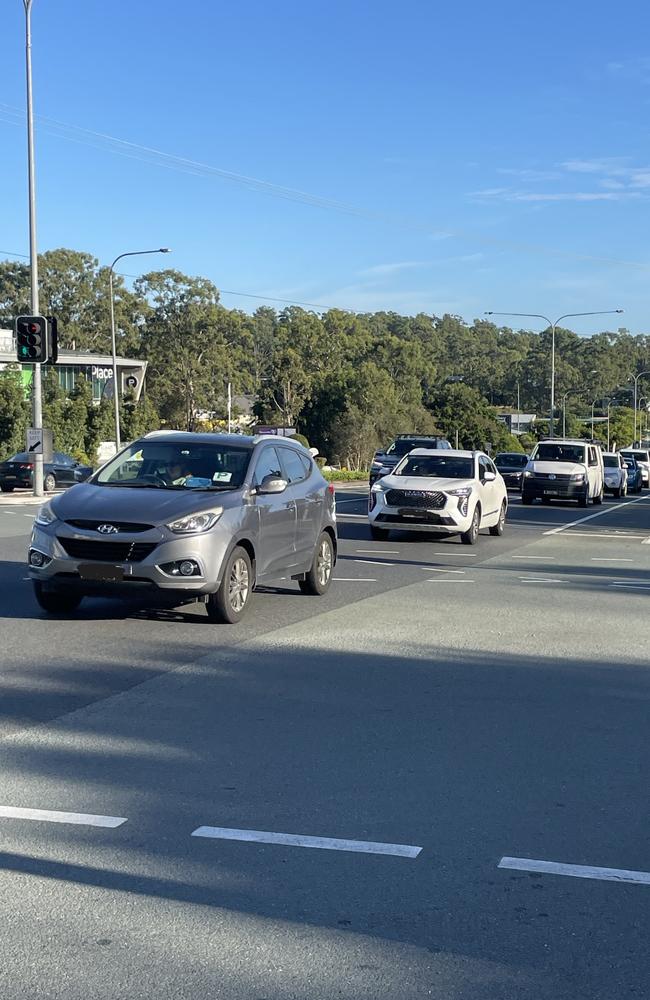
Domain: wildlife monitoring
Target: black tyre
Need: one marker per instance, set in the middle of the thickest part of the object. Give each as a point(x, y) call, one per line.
point(526, 499)
point(6, 489)
point(498, 528)
point(618, 492)
point(378, 534)
point(598, 499)
point(470, 536)
point(49, 483)
point(55, 602)
point(319, 577)
point(228, 605)
point(583, 501)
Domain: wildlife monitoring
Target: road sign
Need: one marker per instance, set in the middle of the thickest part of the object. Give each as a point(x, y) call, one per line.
point(39, 442)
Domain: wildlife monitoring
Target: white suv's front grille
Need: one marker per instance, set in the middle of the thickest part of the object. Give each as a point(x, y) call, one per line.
point(421, 499)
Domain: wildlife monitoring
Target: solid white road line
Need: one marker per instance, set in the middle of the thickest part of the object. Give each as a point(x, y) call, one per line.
point(298, 840)
point(590, 517)
point(354, 579)
point(373, 562)
point(632, 586)
point(577, 871)
point(54, 816)
point(620, 536)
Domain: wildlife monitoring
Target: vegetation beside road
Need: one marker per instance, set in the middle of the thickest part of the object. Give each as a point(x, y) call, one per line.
point(348, 382)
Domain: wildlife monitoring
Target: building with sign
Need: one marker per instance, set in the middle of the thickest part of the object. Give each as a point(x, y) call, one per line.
point(96, 368)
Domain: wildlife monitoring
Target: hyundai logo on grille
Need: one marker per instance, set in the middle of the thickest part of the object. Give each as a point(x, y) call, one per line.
point(108, 529)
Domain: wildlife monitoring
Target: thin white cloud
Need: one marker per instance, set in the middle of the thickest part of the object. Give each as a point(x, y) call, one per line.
point(401, 265)
point(507, 194)
point(636, 69)
point(529, 174)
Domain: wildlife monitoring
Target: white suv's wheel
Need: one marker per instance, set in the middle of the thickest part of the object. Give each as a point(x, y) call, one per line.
point(497, 529)
point(470, 536)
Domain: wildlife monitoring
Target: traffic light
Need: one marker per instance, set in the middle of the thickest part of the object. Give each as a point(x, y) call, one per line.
point(36, 339)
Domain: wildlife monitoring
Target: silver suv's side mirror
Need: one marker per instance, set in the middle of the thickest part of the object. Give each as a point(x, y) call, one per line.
point(272, 484)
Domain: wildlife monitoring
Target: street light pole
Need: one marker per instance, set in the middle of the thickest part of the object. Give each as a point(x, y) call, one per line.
point(552, 325)
point(37, 402)
point(636, 389)
point(116, 394)
point(564, 398)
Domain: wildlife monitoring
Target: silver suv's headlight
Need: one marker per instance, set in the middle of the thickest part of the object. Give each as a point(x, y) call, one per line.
point(194, 524)
point(45, 515)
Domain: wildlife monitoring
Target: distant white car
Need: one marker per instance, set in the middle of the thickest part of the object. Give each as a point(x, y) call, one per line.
point(642, 458)
point(446, 492)
point(615, 473)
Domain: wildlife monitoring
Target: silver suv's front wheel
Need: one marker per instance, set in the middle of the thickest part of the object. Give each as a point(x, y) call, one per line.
point(230, 601)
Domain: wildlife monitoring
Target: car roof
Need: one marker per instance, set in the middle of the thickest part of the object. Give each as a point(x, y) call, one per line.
point(206, 437)
point(446, 452)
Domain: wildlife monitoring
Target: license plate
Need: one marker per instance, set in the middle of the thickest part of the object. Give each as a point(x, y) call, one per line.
point(552, 493)
point(95, 571)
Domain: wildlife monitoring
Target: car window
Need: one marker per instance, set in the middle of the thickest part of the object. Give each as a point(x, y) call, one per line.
point(61, 459)
point(436, 466)
point(593, 457)
point(268, 464)
point(293, 464)
point(21, 456)
point(548, 451)
point(482, 467)
point(177, 465)
point(508, 461)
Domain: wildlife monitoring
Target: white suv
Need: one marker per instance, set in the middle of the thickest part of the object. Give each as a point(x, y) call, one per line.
point(560, 469)
point(446, 492)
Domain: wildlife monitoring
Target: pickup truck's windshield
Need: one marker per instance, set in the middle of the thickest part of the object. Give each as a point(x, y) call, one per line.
point(549, 452)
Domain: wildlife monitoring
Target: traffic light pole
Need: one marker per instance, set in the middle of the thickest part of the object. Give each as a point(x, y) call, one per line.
point(37, 404)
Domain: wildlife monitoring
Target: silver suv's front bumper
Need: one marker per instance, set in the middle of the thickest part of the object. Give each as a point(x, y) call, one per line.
point(83, 569)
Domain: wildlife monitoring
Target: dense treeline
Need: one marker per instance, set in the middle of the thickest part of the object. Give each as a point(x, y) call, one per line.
point(347, 381)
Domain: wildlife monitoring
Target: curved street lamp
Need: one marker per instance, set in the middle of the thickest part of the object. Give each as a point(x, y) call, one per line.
point(116, 394)
point(552, 325)
point(636, 389)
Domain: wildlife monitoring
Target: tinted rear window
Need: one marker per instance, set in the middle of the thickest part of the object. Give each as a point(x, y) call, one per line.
point(513, 461)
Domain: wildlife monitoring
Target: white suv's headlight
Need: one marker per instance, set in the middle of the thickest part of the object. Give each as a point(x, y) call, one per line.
point(194, 524)
point(462, 491)
point(45, 515)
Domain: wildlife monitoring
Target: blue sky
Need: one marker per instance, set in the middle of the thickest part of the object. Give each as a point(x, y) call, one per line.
point(457, 158)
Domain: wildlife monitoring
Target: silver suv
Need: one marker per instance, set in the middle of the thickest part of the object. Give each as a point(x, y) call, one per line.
point(185, 517)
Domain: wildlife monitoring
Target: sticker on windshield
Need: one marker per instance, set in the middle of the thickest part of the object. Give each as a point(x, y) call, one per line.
point(222, 477)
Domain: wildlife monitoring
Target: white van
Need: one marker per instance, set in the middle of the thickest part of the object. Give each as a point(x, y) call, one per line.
point(560, 469)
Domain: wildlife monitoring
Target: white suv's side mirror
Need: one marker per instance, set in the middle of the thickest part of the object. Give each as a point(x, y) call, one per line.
point(489, 477)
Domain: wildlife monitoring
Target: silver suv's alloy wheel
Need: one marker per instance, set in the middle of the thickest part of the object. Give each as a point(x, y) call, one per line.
point(324, 562)
point(238, 585)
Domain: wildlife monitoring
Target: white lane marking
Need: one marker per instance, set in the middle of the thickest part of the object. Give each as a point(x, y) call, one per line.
point(534, 557)
point(434, 569)
point(538, 579)
point(380, 552)
point(446, 582)
point(354, 579)
point(373, 562)
point(611, 559)
point(620, 536)
point(590, 517)
point(646, 541)
point(364, 516)
point(298, 840)
point(577, 871)
point(54, 816)
point(631, 586)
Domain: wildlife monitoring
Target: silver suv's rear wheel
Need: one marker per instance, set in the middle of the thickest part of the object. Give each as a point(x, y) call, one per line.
point(230, 601)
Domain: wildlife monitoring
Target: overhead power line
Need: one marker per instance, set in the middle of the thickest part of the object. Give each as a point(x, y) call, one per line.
point(148, 154)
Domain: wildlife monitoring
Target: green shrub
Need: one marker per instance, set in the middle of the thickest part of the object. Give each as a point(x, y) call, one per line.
point(301, 439)
point(345, 475)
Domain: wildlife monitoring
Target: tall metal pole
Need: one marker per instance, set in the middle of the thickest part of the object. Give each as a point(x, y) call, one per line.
point(37, 403)
point(229, 407)
point(116, 394)
point(552, 325)
point(636, 391)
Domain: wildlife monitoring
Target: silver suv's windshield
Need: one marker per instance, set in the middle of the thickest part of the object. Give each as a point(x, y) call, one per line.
point(551, 452)
point(436, 466)
point(176, 465)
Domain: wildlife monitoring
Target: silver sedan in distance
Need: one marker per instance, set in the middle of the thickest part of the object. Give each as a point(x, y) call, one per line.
point(182, 517)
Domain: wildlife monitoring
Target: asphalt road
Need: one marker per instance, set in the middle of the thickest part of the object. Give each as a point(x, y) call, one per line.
point(456, 706)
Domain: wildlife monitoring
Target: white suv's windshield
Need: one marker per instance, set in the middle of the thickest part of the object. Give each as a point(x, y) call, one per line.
point(551, 452)
point(611, 461)
point(436, 466)
point(174, 465)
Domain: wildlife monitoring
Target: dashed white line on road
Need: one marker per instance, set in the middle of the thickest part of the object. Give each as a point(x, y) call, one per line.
point(379, 552)
point(620, 536)
point(373, 562)
point(538, 579)
point(611, 559)
point(434, 569)
point(631, 586)
point(354, 579)
point(534, 557)
point(576, 871)
point(364, 516)
point(54, 816)
point(447, 582)
point(646, 541)
point(590, 517)
point(298, 840)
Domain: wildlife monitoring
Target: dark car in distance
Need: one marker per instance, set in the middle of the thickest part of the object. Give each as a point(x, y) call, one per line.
point(18, 472)
point(634, 475)
point(387, 458)
point(511, 465)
